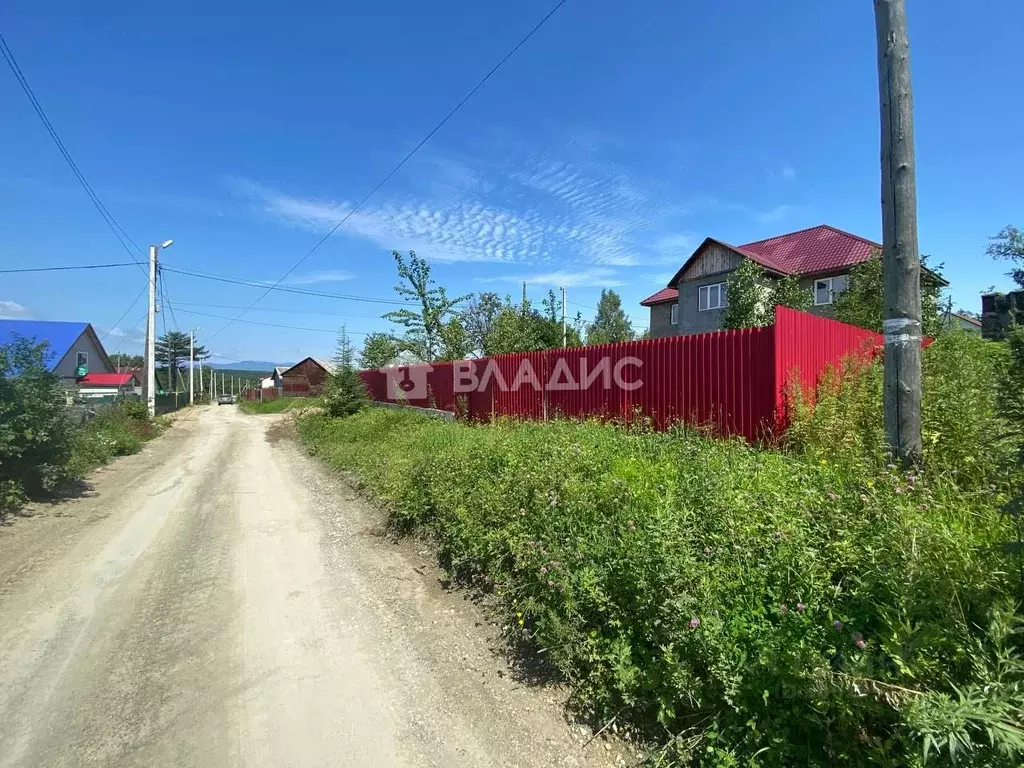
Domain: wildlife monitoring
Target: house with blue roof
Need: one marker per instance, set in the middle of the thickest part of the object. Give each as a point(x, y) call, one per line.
point(72, 346)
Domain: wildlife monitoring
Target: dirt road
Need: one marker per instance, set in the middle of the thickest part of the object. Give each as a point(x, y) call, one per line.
point(220, 600)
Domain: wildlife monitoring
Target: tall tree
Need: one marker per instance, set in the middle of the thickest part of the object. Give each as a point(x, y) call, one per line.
point(611, 323)
point(172, 352)
point(861, 304)
point(753, 296)
point(514, 330)
point(1009, 244)
point(430, 304)
point(455, 341)
point(345, 392)
point(479, 318)
point(379, 351)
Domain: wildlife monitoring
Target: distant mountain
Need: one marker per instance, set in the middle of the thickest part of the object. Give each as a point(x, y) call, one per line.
point(261, 366)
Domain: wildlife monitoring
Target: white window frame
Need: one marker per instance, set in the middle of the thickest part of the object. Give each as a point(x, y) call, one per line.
point(705, 290)
point(831, 294)
point(79, 354)
point(674, 313)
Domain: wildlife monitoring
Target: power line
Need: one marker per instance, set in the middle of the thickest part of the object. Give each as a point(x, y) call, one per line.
point(170, 307)
point(111, 222)
point(285, 289)
point(274, 325)
point(277, 309)
point(403, 161)
point(69, 268)
point(125, 313)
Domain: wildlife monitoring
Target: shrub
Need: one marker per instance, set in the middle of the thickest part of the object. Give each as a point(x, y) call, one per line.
point(763, 609)
point(35, 434)
point(116, 430)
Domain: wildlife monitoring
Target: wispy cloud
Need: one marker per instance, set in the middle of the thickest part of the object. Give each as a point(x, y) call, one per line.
point(597, 277)
point(12, 310)
point(324, 276)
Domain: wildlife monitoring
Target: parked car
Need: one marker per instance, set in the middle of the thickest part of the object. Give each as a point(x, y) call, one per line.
point(225, 400)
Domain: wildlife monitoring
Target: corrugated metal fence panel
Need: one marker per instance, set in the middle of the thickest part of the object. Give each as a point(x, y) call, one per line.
point(732, 381)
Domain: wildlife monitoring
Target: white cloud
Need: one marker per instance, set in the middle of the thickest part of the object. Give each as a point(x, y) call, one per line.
point(12, 310)
point(324, 276)
point(598, 277)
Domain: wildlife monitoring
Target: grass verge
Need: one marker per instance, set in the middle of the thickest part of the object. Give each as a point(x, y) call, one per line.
point(738, 606)
point(277, 405)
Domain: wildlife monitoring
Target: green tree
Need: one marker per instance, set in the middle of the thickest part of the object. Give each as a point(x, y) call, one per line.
point(514, 330)
point(425, 322)
point(861, 303)
point(753, 296)
point(35, 432)
point(479, 319)
point(128, 362)
point(1009, 244)
point(611, 323)
point(379, 351)
point(455, 341)
point(172, 353)
point(345, 392)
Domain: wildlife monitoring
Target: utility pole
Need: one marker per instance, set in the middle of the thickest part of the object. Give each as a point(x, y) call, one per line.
point(151, 330)
point(901, 265)
point(524, 297)
point(563, 319)
point(191, 365)
point(150, 333)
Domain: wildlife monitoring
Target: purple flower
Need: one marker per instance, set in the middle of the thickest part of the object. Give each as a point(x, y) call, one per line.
point(838, 625)
point(800, 607)
point(694, 622)
point(858, 640)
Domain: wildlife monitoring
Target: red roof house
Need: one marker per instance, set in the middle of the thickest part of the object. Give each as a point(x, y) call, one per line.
point(694, 298)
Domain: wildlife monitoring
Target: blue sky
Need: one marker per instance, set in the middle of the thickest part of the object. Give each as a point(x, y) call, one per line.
point(600, 155)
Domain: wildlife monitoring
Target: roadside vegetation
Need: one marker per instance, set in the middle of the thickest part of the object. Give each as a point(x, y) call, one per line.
point(43, 451)
point(803, 605)
point(277, 405)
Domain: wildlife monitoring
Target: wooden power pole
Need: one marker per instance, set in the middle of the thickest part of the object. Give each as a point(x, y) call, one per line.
point(901, 265)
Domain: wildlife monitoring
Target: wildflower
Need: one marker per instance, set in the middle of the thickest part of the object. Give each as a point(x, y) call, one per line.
point(898, 489)
point(708, 550)
point(694, 623)
point(858, 640)
point(543, 570)
point(838, 625)
point(864, 497)
point(800, 607)
point(551, 583)
point(783, 608)
point(832, 496)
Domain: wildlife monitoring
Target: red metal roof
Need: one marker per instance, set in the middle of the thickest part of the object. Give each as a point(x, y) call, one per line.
point(811, 251)
point(662, 296)
point(107, 379)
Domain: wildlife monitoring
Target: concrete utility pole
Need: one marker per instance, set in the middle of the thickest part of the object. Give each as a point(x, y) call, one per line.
point(191, 365)
point(901, 264)
point(563, 319)
point(151, 329)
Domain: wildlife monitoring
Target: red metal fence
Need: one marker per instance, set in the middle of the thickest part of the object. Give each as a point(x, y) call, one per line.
point(734, 381)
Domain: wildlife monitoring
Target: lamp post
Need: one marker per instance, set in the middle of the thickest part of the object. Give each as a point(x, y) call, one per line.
point(151, 330)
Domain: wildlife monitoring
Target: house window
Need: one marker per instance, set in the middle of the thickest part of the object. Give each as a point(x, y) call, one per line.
point(711, 297)
point(82, 360)
point(675, 314)
point(823, 291)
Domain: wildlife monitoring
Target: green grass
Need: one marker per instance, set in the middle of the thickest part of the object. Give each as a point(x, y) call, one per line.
point(117, 430)
point(277, 405)
point(738, 606)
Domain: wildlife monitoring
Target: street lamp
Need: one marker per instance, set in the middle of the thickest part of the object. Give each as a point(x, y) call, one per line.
point(151, 330)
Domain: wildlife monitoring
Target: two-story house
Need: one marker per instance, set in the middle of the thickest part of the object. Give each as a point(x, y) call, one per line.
point(821, 257)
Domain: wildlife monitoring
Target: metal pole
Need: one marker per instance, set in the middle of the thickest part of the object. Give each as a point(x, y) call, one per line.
point(150, 333)
point(901, 265)
point(564, 344)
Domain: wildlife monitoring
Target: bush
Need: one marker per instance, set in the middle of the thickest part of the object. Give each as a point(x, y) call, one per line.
point(760, 608)
point(116, 430)
point(35, 434)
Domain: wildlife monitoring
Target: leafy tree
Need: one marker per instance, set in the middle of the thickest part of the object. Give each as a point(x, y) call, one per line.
point(345, 393)
point(479, 319)
point(861, 303)
point(1009, 244)
point(611, 323)
point(432, 307)
point(36, 435)
point(514, 330)
point(379, 351)
point(753, 296)
point(128, 362)
point(455, 341)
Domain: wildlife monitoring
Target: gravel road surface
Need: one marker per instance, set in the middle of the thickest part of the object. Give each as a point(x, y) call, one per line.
point(219, 599)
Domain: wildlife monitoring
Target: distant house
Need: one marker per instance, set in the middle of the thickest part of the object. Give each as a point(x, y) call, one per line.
point(74, 348)
point(964, 322)
point(308, 376)
point(110, 385)
point(821, 257)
